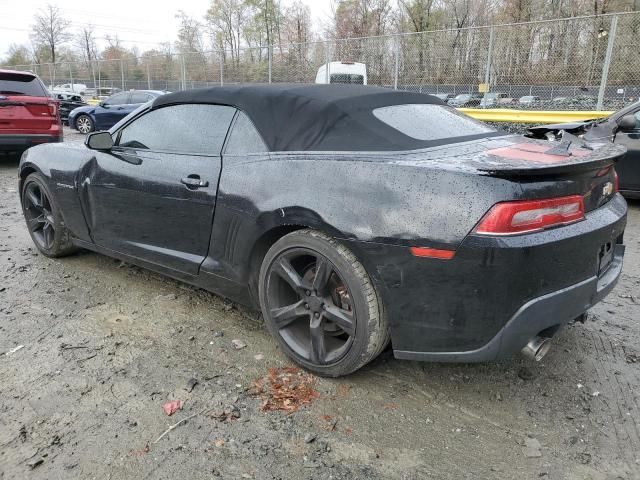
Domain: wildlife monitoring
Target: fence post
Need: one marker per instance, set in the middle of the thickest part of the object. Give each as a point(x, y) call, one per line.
point(122, 73)
point(327, 61)
point(221, 67)
point(148, 77)
point(93, 72)
point(487, 71)
point(607, 61)
point(71, 76)
point(396, 39)
point(269, 59)
point(183, 73)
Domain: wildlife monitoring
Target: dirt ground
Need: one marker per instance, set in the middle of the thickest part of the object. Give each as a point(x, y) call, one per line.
point(106, 344)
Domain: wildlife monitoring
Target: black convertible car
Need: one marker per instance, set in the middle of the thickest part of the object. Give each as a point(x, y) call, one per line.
point(350, 215)
point(621, 127)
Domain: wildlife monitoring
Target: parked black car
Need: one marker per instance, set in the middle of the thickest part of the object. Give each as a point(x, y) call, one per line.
point(445, 97)
point(67, 102)
point(350, 215)
point(622, 127)
point(466, 100)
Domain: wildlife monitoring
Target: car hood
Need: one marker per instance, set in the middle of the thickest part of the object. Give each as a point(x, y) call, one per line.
point(569, 126)
point(84, 109)
point(591, 131)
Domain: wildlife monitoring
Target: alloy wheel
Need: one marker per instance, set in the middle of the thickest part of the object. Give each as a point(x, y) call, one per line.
point(83, 124)
point(310, 306)
point(37, 208)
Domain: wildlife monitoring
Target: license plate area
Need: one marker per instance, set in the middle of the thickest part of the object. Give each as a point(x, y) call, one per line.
point(605, 257)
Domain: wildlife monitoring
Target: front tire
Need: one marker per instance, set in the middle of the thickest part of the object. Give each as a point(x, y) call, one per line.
point(84, 124)
point(43, 218)
point(320, 304)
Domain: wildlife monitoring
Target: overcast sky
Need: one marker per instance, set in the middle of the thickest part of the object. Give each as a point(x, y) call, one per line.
point(144, 23)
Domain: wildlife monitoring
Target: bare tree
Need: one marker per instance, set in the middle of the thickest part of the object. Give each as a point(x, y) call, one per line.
point(297, 23)
point(226, 20)
point(50, 28)
point(17, 55)
point(189, 34)
point(86, 44)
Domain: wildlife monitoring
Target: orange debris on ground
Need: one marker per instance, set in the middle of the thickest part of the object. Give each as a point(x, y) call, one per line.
point(286, 389)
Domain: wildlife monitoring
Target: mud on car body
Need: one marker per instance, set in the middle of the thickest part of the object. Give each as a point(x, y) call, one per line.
point(350, 215)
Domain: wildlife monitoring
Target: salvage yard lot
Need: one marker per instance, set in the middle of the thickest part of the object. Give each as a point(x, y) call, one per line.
point(105, 345)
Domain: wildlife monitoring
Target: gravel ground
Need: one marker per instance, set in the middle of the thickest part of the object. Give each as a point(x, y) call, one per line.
point(106, 344)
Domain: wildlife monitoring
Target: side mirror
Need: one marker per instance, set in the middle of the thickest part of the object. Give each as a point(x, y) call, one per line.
point(627, 123)
point(104, 104)
point(99, 141)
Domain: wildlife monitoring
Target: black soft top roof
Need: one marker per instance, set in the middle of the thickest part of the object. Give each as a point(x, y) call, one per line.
point(298, 117)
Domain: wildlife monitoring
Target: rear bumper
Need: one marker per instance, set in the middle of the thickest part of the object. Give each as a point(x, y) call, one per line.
point(24, 141)
point(496, 293)
point(554, 309)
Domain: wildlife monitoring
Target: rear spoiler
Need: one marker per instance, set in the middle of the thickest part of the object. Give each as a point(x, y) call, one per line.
point(530, 159)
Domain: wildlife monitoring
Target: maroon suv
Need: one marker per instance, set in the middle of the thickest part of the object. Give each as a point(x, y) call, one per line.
point(28, 115)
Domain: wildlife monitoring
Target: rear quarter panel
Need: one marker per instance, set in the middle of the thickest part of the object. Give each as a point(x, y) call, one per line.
point(371, 198)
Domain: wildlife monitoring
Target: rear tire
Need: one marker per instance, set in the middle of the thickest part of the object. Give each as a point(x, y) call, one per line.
point(84, 124)
point(44, 221)
point(320, 304)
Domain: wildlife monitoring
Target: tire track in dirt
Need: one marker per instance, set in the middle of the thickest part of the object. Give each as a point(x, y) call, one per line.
point(627, 439)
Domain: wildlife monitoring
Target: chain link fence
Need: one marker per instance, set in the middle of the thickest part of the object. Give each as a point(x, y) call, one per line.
point(582, 63)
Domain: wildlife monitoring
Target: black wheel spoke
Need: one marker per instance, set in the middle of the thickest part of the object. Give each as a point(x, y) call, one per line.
point(34, 198)
point(48, 234)
point(342, 318)
point(283, 316)
point(323, 272)
point(284, 268)
point(318, 350)
point(35, 223)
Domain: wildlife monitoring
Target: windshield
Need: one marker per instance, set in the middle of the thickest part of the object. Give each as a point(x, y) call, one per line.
point(21, 84)
point(347, 78)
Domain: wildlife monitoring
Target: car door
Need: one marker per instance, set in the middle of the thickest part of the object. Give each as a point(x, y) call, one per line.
point(153, 195)
point(628, 167)
point(111, 110)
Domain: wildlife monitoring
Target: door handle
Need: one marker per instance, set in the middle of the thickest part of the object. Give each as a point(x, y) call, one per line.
point(194, 181)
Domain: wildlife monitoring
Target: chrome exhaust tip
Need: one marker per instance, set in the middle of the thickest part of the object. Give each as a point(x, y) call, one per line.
point(537, 348)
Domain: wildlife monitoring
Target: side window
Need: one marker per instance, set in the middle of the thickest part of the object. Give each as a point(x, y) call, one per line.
point(118, 99)
point(189, 128)
point(140, 97)
point(637, 115)
point(244, 138)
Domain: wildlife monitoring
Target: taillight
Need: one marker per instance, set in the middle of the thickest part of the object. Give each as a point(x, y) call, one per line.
point(53, 108)
point(512, 218)
point(616, 182)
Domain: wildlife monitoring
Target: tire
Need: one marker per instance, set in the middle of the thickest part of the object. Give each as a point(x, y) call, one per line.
point(44, 221)
point(84, 124)
point(320, 305)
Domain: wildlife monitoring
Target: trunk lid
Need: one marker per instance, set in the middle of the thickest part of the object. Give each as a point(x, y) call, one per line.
point(25, 106)
point(553, 168)
point(18, 113)
point(543, 169)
